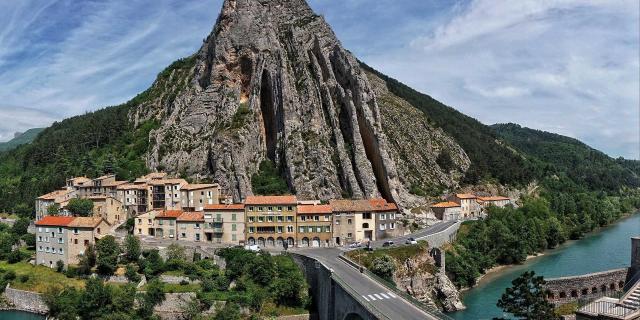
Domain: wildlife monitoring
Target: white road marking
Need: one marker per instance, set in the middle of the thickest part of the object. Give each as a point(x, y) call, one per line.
point(391, 295)
point(384, 295)
point(365, 297)
point(377, 296)
point(372, 298)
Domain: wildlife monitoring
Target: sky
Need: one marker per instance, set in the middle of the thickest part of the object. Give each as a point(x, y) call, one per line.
point(566, 66)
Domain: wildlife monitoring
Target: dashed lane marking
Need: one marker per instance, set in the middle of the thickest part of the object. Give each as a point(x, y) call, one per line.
point(379, 296)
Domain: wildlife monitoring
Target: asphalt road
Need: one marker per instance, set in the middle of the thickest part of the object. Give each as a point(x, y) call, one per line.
point(416, 235)
point(382, 300)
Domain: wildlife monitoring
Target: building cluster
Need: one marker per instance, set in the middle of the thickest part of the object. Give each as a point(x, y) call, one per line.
point(463, 206)
point(173, 209)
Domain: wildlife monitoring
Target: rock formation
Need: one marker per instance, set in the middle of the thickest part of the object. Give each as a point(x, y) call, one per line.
point(273, 82)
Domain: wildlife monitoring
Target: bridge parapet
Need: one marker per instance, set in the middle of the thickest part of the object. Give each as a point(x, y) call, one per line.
point(587, 286)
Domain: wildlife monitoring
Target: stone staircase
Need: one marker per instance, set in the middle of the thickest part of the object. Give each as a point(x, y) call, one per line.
point(632, 298)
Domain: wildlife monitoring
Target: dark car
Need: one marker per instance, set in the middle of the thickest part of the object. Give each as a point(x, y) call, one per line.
point(387, 243)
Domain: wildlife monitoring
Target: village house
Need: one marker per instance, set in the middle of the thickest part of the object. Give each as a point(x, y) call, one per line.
point(106, 185)
point(270, 220)
point(225, 223)
point(196, 196)
point(469, 206)
point(190, 226)
point(447, 211)
point(497, 201)
point(58, 197)
point(166, 193)
point(353, 221)
point(66, 238)
point(145, 223)
point(314, 223)
point(134, 197)
point(109, 208)
point(385, 218)
point(165, 224)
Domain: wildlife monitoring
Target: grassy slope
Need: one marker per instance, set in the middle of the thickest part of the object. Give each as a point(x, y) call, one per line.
point(24, 138)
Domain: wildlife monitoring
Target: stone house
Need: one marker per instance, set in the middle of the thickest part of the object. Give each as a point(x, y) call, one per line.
point(106, 185)
point(84, 231)
point(196, 196)
point(314, 225)
point(385, 217)
point(469, 206)
point(353, 221)
point(190, 226)
point(166, 195)
point(145, 223)
point(165, 224)
point(270, 220)
point(109, 208)
point(498, 201)
point(447, 211)
point(59, 197)
point(134, 197)
point(225, 223)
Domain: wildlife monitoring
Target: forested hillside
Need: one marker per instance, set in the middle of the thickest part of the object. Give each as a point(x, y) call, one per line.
point(24, 138)
point(561, 155)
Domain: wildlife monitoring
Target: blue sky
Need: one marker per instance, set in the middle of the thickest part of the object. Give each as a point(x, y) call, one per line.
point(570, 67)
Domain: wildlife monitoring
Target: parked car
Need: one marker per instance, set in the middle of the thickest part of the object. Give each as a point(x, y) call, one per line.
point(411, 241)
point(355, 245)
point(254, 247)
point(387, 243)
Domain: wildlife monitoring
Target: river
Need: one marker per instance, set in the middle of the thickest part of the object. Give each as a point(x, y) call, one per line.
point(19, 315)
point(609, 248)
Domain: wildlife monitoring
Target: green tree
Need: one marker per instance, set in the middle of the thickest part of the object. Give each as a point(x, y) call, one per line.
point(153, 295)
point(268, 180)
point(20, 227)
point(152, 264)
point(53, 210)
point(23, 210)
point(132, 248)
point(383, 266)
point(29, 239)
point(63, 302)
point(231, 311)
point(526, 299)
point(80, 207)
point(107, 250)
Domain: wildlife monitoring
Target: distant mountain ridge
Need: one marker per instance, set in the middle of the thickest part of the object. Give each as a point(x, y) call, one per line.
point(20, 139)
point(560, 154)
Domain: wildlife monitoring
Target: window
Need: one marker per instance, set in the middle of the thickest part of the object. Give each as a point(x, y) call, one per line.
point(290, 229)
point(279, 208)
point(301, 229)
point(316, 218)
point(197, 226)
point(280, 219)
point(365, 225)
point(382, 216)
point(86, 243)
point(197, 237)
point(75, 230)
point(270, 209)
point(39, 238)
point(160, 222)
point(337, 221)
point(183, 235)
point(392, 225)
point(261, 219)
point(233, 217)
point(98, 230)
point(60, 251)
point(327, 217)
point(349, 235)
point(149, 221)
point(260, 209)
point(53, 234)
point(60, 240)
point(303, 218)
point(171, 222)
point(349, 221)
point(327, 228)
point(202, 193)
point(289, 218)
point(233, 227)
point(279, 229)
point(75, 241)
point(234, 237)
point(47, 250)
point(40, 248)
point(252, 229)
point(366, 215)
point(382, 226)
point(139, 231)
point(252, 219)
point(270, 218)
point(140, 221)
point(59, 230)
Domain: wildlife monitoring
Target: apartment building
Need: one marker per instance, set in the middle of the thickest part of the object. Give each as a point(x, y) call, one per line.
point(270, 220)
point(66, 238)
point(190, 226)
point(469, 206)
point(225, 223)
point(59, 197)
point(166, 193)
point(106, 185)
point(196, 196)
point(447, 211)
point(314, 225)
point(385, 218)
point(353, 221)
point(145, 224)
point(109, 208)
point(134, 197)
point(165, 224)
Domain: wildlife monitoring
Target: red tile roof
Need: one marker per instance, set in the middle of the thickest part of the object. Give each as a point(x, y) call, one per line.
point(192, 217)
point(55, 194)
point(224, 207)
point(54, 221)
point(267, 200)
point(447, 204)
point(314, 208)
point(465, 196)
point(198, 186)
point(493, 198)
point(380, 204)
point(170, 214)
point(345, 205)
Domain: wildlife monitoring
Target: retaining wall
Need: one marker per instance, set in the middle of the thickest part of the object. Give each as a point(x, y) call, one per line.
point(440, 238)
point(25, 300)
point(587, 286)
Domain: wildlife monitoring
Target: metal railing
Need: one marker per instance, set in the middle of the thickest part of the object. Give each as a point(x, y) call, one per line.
point(431, 310)
point(607, 308)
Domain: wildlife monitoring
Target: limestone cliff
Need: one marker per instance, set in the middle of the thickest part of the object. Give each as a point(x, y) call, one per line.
point(272, 81)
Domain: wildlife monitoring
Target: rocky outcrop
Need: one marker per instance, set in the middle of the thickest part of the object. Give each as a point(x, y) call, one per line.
point(419, 277)
point(273, 82)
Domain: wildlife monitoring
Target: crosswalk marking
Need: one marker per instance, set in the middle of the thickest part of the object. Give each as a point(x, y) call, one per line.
point(379, 296)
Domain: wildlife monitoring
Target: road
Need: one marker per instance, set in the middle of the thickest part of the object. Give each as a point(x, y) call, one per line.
point(389, 304)
point(384, 301)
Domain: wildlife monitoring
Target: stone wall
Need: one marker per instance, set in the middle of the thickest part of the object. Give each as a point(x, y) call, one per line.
point(440, 238)
point(173, 304)
point(588, 286)
point(176, 279)
point(25, 301)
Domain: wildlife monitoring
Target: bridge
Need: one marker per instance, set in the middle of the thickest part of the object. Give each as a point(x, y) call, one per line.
point(340, 291)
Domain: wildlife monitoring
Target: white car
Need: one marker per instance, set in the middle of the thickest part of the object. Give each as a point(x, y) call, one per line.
point(254, 248)
point(355, 245)
point(411, 241)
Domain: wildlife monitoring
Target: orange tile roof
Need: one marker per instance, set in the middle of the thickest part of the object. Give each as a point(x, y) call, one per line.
point(168, 181)
point(86, 222)
point(170, 214)
point(266, 200)
point(224, 207)
point(465, 196)
point(113, 183)
point(447, 204)
point(345, 205)
point(314, 208)
point(192, 217)
point(493, 198)
point(55, 194)
point(131, 186)
point(198, 186)
point(54, 221)
point(380, 204)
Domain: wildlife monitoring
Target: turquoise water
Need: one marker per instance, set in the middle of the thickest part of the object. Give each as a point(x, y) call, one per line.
point(18, 315)
point(608, 249)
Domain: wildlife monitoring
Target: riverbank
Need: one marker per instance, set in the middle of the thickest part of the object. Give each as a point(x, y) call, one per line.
point(611, 244)
point(495, 271)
